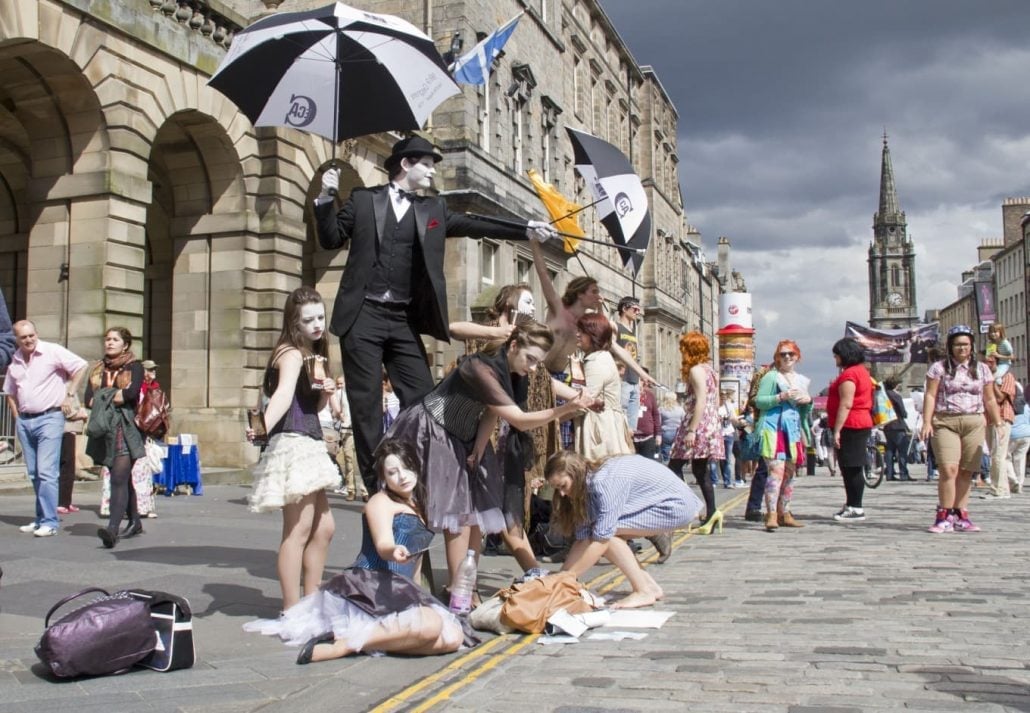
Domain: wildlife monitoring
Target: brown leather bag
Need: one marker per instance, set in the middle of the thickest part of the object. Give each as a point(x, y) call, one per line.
point(528, 606)
point(152, 414)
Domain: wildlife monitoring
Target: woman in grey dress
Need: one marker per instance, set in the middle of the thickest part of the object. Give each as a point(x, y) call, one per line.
point(602, 502)
point(451, 428)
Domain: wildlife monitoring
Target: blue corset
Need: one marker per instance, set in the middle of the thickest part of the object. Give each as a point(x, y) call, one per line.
point(408, 530)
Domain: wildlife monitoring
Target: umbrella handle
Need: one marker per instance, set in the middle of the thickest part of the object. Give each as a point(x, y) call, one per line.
point(333, 192)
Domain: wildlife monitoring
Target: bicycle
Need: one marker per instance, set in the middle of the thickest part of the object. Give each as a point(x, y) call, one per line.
point(875, 466)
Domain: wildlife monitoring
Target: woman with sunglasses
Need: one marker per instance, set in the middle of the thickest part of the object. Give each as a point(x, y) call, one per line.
point(848, 405)
point(784, 406)
point(958, 392)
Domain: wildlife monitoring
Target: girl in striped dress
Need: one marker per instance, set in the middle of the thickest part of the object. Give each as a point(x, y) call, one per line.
point(602, 502)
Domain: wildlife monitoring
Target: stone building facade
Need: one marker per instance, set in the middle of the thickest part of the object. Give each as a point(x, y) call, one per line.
point(135, 195)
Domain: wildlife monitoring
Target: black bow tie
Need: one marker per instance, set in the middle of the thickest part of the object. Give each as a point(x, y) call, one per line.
point(410, 195)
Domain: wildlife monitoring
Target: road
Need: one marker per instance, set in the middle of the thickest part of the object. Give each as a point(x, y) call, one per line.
point(840, 618)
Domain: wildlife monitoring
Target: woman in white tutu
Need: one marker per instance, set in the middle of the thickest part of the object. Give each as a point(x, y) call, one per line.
point(374, 607)
point(295, 468)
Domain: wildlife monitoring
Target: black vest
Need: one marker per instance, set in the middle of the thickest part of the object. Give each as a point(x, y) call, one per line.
point(395, 255)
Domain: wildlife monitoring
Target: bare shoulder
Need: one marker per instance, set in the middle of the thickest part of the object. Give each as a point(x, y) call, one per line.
point(288, 356)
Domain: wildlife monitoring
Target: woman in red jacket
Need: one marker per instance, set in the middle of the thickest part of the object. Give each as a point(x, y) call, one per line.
point(848, 406)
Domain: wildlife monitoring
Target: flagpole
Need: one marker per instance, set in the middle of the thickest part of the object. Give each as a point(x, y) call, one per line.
point(578, 210)
point(517, 224)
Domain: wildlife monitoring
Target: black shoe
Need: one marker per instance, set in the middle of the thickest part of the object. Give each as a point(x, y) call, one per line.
point(308, 649)
point(108, 537)
point(754, 516)
point(132, 529)
point(635, 546)
point(906, 477)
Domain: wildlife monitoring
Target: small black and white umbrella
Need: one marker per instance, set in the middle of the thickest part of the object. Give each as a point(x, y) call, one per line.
point(335, 71)
point(619, 194)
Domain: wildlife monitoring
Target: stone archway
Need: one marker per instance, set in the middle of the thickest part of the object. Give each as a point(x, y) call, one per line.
point(196, 237)
point(53, 143)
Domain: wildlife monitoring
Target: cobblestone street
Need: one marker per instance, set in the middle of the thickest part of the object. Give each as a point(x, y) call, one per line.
point(858, 617)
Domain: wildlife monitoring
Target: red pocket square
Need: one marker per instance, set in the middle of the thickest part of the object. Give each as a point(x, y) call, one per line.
point(432, 224)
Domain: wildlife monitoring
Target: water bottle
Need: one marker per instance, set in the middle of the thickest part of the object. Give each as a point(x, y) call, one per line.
point(464, 585)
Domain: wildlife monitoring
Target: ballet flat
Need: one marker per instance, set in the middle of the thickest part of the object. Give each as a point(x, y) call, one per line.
point(308, 649)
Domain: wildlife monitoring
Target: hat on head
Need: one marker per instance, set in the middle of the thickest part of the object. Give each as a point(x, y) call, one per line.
point(627, 302)
point(411, 147)
point(149, 364)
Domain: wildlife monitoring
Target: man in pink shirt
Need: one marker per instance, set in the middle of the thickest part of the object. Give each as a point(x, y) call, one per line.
point(41, 383)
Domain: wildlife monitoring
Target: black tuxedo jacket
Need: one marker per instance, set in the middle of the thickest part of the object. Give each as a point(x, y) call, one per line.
point(360, 223)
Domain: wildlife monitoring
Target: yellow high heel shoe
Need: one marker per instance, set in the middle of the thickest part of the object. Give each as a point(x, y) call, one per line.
point(706, 529)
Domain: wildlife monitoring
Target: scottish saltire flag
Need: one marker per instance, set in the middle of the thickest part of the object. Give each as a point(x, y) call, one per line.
point(474, 67)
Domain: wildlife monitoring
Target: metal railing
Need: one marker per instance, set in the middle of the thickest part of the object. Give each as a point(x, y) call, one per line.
point(12, 454)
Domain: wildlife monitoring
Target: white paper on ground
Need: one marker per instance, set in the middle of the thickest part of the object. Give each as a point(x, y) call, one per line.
point(561, 620)
point(616, 635)
point(638, 619)
point(557, 639)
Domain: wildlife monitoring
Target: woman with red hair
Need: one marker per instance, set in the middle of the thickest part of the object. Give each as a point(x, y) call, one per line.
point(603, 433)
point(699, 438)
point(784, 406)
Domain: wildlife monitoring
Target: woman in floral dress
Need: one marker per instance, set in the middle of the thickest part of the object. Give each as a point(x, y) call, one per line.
point(699, 438)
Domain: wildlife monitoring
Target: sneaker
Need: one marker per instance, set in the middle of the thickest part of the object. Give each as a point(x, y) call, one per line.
point(962, 523)
point(850, 515)
point(741, 483)
point(31, 527)
point(47, 531)
point(991, 495)
point(944, 523)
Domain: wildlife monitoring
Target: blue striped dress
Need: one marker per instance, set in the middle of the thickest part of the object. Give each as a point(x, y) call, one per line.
point(636, 493)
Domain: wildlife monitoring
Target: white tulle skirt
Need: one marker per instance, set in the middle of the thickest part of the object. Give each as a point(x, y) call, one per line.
point(292, 466)
point(324, 611)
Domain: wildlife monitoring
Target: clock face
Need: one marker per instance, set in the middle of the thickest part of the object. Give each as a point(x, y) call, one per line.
point(894, 299)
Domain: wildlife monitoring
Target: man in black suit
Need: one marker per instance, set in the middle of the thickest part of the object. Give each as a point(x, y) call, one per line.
point(393, 286)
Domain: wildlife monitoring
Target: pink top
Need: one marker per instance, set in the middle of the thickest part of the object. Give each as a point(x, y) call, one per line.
point(962, 393)
point(39, 383)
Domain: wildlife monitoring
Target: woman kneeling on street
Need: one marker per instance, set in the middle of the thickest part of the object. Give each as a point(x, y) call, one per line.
point(603, 502)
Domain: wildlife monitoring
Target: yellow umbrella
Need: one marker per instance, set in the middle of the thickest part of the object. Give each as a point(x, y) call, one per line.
point(561, 209)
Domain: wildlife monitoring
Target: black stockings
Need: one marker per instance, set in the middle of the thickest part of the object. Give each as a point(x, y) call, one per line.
point(123, 494)
point(699, 467)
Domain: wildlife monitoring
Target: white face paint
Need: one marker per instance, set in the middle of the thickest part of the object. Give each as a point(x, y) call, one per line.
point(526, 304)
point(312, 321)
point(419, 175)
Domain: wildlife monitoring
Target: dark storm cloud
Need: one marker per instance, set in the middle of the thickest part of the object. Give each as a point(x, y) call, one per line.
point(782, 105)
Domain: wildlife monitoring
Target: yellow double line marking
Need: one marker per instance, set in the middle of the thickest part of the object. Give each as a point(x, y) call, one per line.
point(517, 642)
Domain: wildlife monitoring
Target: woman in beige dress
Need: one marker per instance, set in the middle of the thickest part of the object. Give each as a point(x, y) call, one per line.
point(602, 433)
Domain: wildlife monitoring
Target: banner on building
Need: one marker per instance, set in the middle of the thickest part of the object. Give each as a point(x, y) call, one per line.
point(985, 310)
point(895, 346)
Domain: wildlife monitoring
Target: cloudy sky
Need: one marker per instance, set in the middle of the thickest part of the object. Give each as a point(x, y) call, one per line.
point(782, 107)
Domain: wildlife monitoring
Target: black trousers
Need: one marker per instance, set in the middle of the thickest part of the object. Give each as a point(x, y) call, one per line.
point(67, 480)
point(380, 336)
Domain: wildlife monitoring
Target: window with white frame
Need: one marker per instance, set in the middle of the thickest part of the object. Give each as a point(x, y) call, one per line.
point(487, 262)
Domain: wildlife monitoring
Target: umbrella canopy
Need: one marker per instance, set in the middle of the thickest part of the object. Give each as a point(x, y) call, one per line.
point(334, 71)
point(621, 201)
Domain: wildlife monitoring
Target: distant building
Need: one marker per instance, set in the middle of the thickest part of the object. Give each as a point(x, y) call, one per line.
point(892, 272)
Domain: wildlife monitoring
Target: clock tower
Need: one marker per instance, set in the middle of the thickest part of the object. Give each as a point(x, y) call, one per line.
point(892, 269)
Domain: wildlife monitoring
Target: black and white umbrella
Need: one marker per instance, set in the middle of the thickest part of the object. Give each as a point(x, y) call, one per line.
point(618, 192)
point(335, 71)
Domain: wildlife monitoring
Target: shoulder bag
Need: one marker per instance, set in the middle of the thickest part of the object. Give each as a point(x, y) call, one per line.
point(108, 635)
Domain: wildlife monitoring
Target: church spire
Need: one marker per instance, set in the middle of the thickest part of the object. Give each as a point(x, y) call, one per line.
point(888, 195)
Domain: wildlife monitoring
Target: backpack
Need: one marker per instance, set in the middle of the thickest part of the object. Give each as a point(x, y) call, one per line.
point(883, 408)
point(152, 414)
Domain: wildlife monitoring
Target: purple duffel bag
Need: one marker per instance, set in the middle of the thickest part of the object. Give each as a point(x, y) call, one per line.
point(108, 635)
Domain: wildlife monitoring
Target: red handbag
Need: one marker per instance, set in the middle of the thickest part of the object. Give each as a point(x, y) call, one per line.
point(152, 414)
